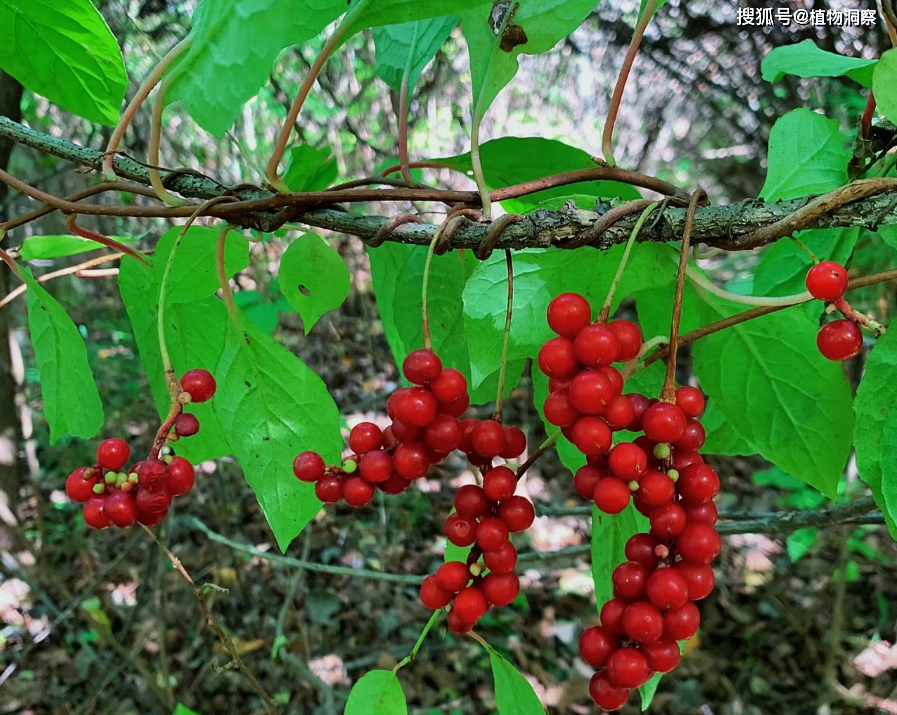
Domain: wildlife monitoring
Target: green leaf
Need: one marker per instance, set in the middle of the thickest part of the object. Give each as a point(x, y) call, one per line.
point(609, 536)
point(513, 160)
point(722, 436)
point(65, 52)
point(43, 248)
point(884, 84)
point(783, 268)
point(310, 169)
point(386, 263)
point(800, 542)
point(194, 272)
point(71, 401)
point(376, 13)
point(513, 693)
point(313, 278)
point(412, 45)
point(377, 693)
point(806, 59)
point(182, 709)
point(806, 156)
point(876, 427)
point(271, 406)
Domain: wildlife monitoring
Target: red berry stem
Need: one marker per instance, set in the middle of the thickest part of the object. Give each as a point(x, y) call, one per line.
point(851, 313)
point(538, 452)
point(506, 340)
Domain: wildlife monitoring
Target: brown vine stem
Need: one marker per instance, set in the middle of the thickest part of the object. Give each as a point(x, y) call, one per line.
point(153, 151)
point(143, 92)
point(868, 113)
point(420, 165)
point(506, 341)
point(199, 592)
point(403, 110)
point(540, 450)
point(604, 313)
point(226, 292)
point(668, 393)
point(887, 8)
point(13, 266)
point(607, 146)
point(71, 224)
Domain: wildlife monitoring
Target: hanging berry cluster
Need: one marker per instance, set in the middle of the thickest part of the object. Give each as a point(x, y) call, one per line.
point(141, 494)
point(840, 339)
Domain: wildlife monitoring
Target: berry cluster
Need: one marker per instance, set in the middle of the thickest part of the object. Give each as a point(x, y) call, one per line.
point(840, 339)
point(141, 494)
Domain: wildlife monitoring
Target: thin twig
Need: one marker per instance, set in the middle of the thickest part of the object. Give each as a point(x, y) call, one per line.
point(506, 341)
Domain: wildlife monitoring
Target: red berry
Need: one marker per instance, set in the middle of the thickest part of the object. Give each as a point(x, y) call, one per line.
point(491, 534)
point(641, 548)
point(640, 405)
point(619, 413)
point(460, 531)
point(432, 596)
point(77, 487)
point(377, 466)
point(515, 443)
point(663, 422)
point(613, 376)
point(467, 426)
point(596, 645)
point(471, 501)
point(701, 513)
point(681, 459)
point(416, 408)
point(457, 624)
point(410, 460)
point(357, 491)
point(627, 461)
point(453, 576)
point(152, 477)
point(698, 484)
point(421, 367)
point(590, 392)
point(150, 518)
point(121, 509)
point(443, 434)
point(365, 437)
point(94, 513)
point(568, 313)
point(558, 409)
point(629, 581)
point(199, 384)
point(186, 425)
point(629, 335)
point(667, 589)
point(470, 604)
point(451, 385)
point(455, 408)
point(681, 624)
point(642, 622)
point(181, 476)
point(558, 359)
point(692, 438)
point(394, 485)
point(152, 502)
point(113, 454)
point(585, 480)
point(502, 560)
point(499, 484)
point(690, 401)
point(500, 589)
point(667, 521)
point(698, 543)
point(405, 433)
point(840, 340)
point(606, 696)
point(662, 657)
point(596, 345)
point(827, 280)
point(611, 495)
point(592, 436)
point(488, 439)
point(627, 668)
point(308, 466)
point(656, 488)
point(329, 489)
point(612, 616)
point(699, 577)
point(517, 513)
point(557, 383)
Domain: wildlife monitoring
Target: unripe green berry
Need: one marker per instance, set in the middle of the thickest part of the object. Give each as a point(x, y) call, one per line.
point(674, 475)
point(110, 477)
point(662, 451)
point(349, 466)
point(475, 570)
point(633, 485)
point(99, 488)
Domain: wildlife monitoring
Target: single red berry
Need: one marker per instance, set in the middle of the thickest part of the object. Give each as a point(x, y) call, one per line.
point(611, 495)
point(491, 534)
point(113, 454)
point(467, 427)
point(682, 460)
point(557, 358)
point(698, 484)
point(662, 657)
point(452, 576)
point(663, 422)
point(417, 408)
point(451, 385)
point(667, 521)
point(596, 345)
point(642, 622)
point(502, 560)
point(629, 581)
point(667, 589)
point(421, 367)
point(515, 443)
point(592, 436)
point(641, 548)
point(699, 577)
point(641, 507)
point(568, 313)
point(558, 383)
point(698, 543)
point(640, 405)
point(121, 509)
point(619, 413)
point(365, 437)
point(488, 439)
point(186, 425)
point(329, 489)
point(500, 589)
point(692, 438)
point(199, 384)
point(656, 488)
point(77, 487)
point(558, 409)
point(152, 476)
point(457, 624)
point(840, 340)
point(153, 502)
point(613, 376)
point(690, 401)
point(443, 434)
point(471, 501)
point(470, 604)
point(455, 408)
point(705, 513)
point(405, 433)
point(181, 476)
point(627, 461)
point(410, 460)
point(394, 485)
point(432, 596)
point(606, 696)
point(377, 466)
point(517, 513)
point(611, 616)
point(308, 466)
point(94, 513)
point(596, 645)
point(629, 335)
point(460, 531)
point(627, 668)
point(681, 624)
point(590, 392)
point(585, 479)
point(827, 280)
point(499, 484)
point(357, 491)
point(151, 518)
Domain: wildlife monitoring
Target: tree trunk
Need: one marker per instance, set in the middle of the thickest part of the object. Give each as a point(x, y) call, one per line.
point(10, 429)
